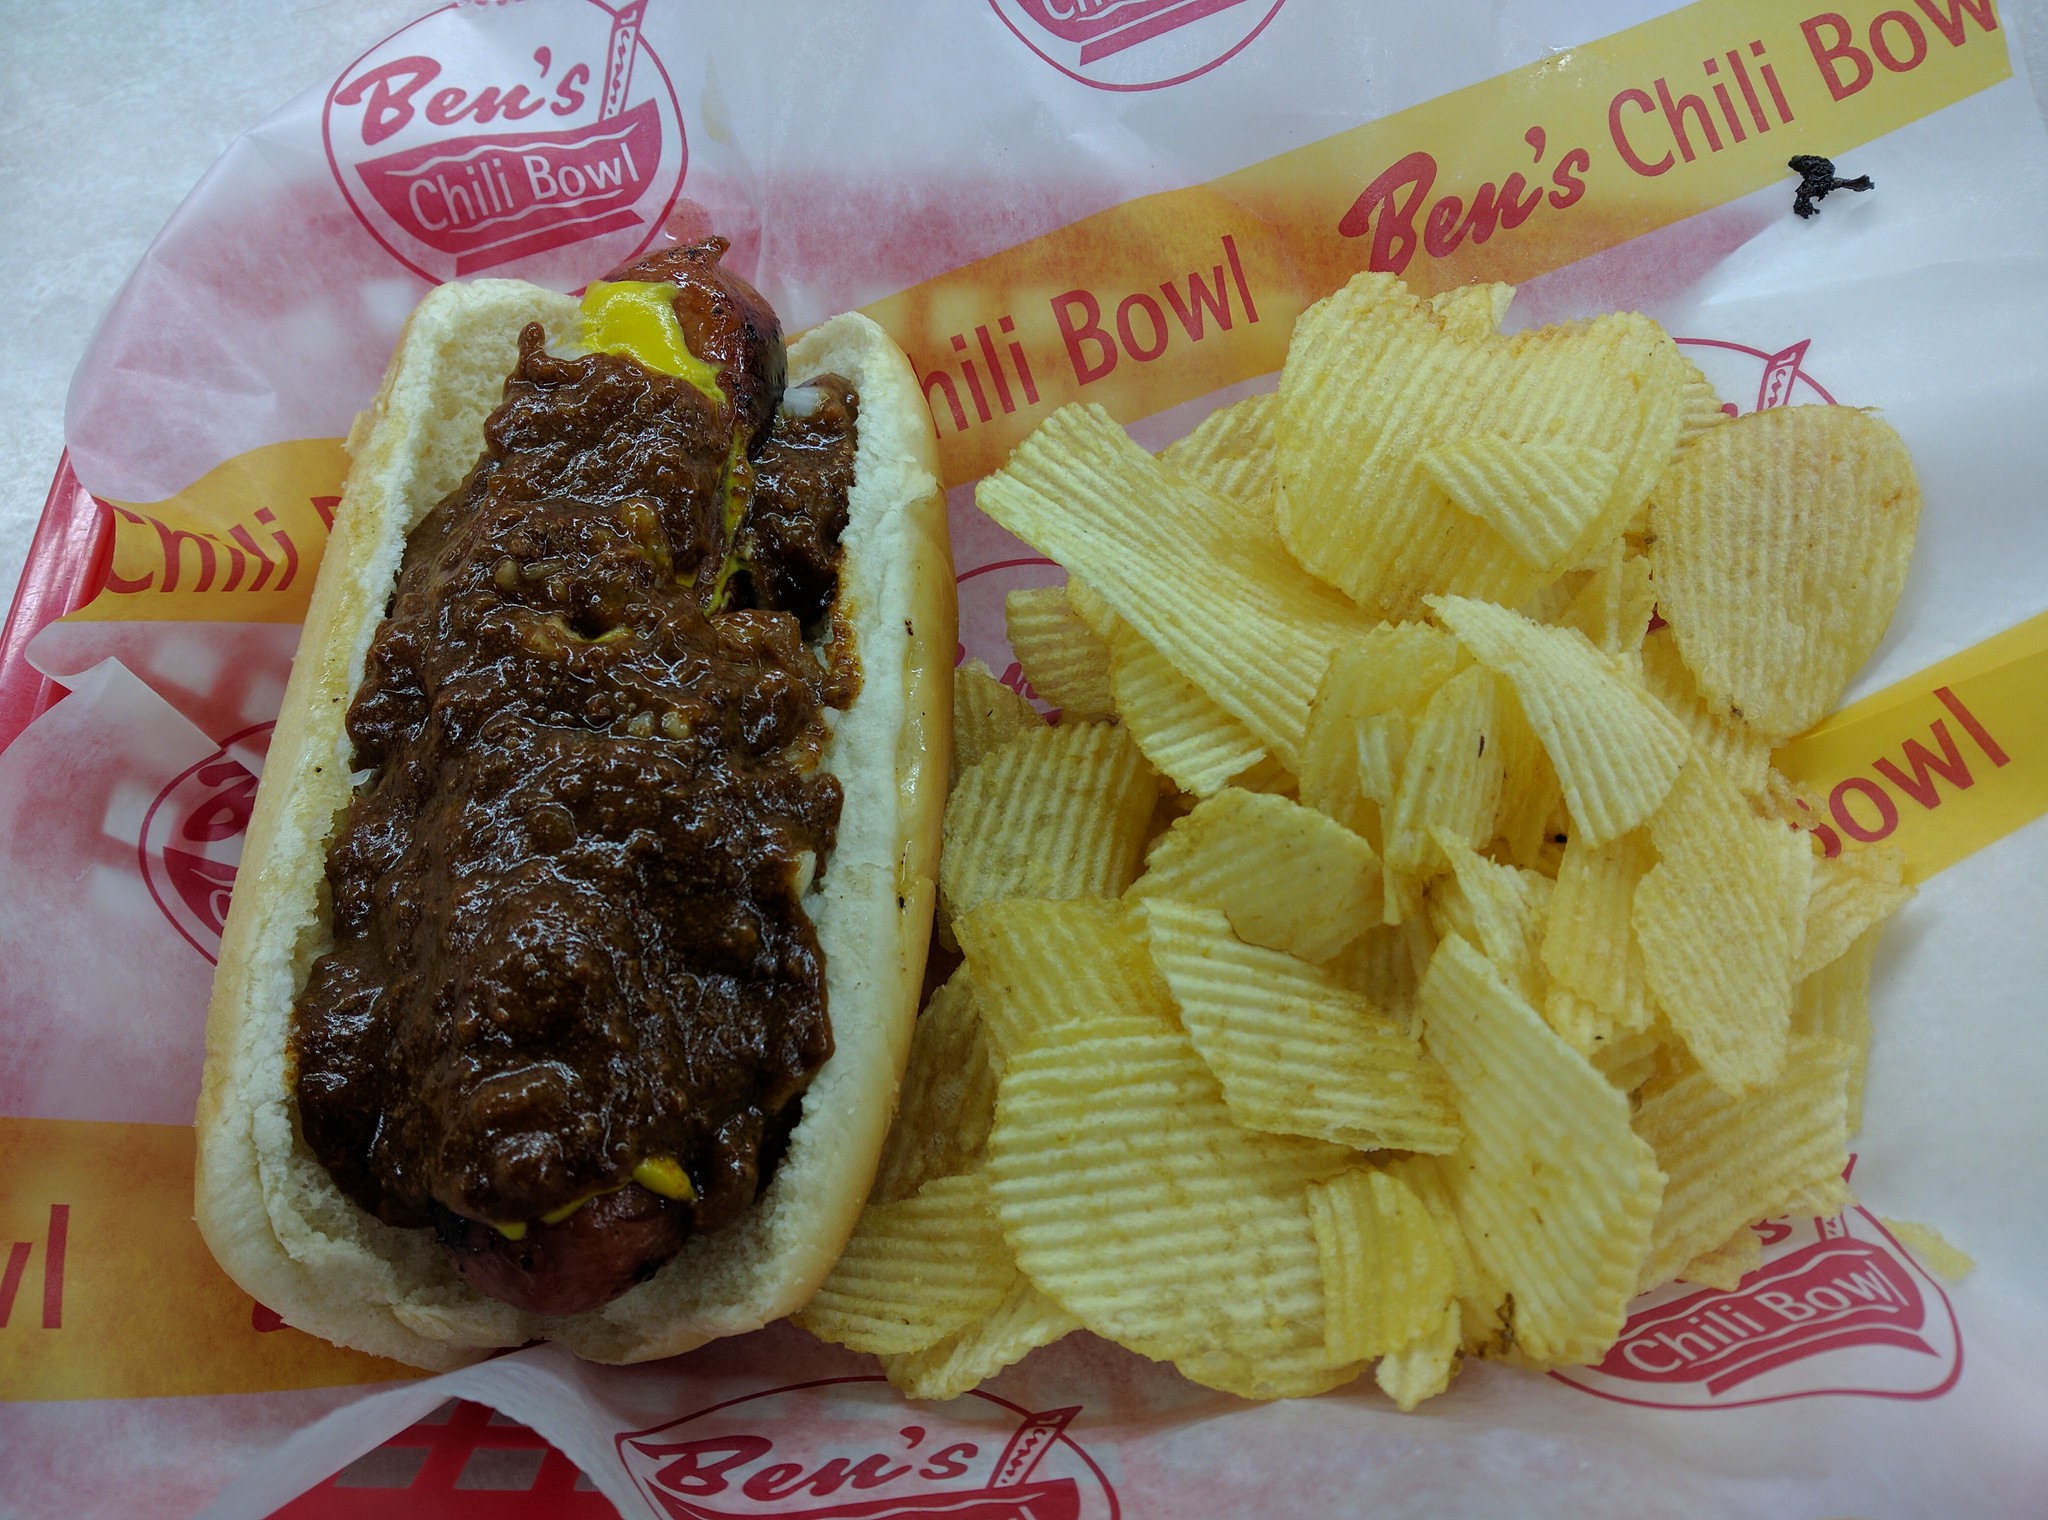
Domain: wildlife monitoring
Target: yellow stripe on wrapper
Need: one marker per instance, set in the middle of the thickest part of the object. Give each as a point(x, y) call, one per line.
point(915, 1271)
point(1387, 1278)
point(986, 716)
point(1065, 660)
point(948, 1096)
point(1720, 920)
point(117, 1296)
point(1056, 812)
point(1286, 876)
point(1240, 620)
point(1040, 965)
point(1780, 544)
point(1025, 1320)
point(1556, 1193)
point(1373, 381)
point(1615, 748)
point(1731, 1161)
point(1295, 1054)
point(1136, 1202)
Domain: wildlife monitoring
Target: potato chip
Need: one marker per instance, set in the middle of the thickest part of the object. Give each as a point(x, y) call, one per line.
point(986, 715)
point(1852, 894)
point(1740, 750)
point(1588, 944)
point(947, 1098)
point(1373, 380)
point(1732, 1160)
point(1386, 964)
point(1239, 618)
point(1931, 1248)
point(1450, 785)
point(1780, 543)
point(1359, 725)
point(1613, 608)
point(1833, 1004)
point(1555, 1192)
point(1422, 1369)
point(1056, 812)
point(1503, 907)
point(1025, 1320)
point(1187, 737)
point(1699, 405)
point(1727, 1264)
point(915, 1271)
point(1066, 661)
point(1720, 920)
point(1533, 823)
point(1482, 1297)
point(1387, 1277)
point(1286, 876)
point(1539, 497)
point(1627, 1060)
point(1135, 1203)
point(1296, 1054)
point(1615, 748)
point(1231, 453)
point(1037, 965)
point(1473, 311)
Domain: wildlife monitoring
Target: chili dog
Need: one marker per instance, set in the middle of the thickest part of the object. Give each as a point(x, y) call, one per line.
point(582, 916)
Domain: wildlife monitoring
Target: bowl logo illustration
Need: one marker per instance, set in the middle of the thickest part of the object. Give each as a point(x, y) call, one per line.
point(852, 1449)
point(192, 839)
point(542, 142)
point(1838, 1307)
point(1136, 44)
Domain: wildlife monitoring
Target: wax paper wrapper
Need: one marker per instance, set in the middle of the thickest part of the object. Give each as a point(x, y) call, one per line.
point(1121, 201)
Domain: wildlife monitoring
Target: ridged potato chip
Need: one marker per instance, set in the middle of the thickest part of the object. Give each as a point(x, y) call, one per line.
point(1539, 497)
point(1373, 380)
point(1852, 894)
point(1740, 750)
point(1729, 1161)
point(947, 1098)
point(1134, 1202)
point(1720, 920)
point(1188, 738)
point(1358, 727)
point(1056, 812)
point(1534, 824)
point(1613, 608)
point(1286, 876)
point(1473, 311)
point(915, 1271)
point(1589, 943)
point(1065, 660)
point(1386, 963)
point(1295, 1053)
point(1449, 784)
point(1934, 1250)
point(1387, 1279)
point(1699, 405)
point(1025, 1320)
point(1037, 965)
point(986, 715)
point(1627, 1060)
point(1482, 1297)
point(1615, 748)
point(1231, 452)
point(1423, 1368)
point(1727, 1264)
point(1832, 1004)
point(1556, 1193)
point(1780, 543)
point(1240, 619)
point(1500, 908)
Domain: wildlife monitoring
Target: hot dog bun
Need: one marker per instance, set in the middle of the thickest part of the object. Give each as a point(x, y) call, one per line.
point(268, 1209)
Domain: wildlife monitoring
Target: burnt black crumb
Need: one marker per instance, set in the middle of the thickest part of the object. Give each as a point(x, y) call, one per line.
point(1558, 839)
point(1482, 744)
point(1816, 178)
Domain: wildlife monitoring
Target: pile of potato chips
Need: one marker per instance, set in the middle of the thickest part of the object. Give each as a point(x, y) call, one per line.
point(1402, 949)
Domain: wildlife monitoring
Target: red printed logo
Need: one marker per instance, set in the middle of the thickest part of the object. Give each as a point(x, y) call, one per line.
point(192, 838)
point(851, 1449)
point(1838, 1307)
point(506, 142)
point(1135, 44)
